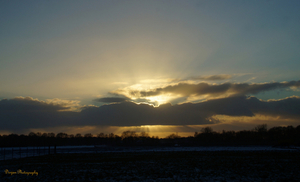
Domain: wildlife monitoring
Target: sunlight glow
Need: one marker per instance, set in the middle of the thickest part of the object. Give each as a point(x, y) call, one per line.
point(160, 99)
point(133, 92)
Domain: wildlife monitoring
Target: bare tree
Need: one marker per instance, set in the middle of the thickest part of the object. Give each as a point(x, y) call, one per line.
point(207, 130)
point(101, 135)
point(78, 135)
point(144, 134)
point(127, 134)
point(261, 128)
point(173, 136)
point(88, 135)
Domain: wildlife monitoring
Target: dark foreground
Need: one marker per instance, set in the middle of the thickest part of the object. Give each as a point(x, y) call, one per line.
point(158, 166)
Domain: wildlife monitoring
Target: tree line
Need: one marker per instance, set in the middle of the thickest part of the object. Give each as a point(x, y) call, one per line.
point(260, 135)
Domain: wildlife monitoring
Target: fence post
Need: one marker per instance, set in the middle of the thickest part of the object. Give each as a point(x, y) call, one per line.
point(12, 153)
point(20, 152)
point(4, 153)
point(49, 149)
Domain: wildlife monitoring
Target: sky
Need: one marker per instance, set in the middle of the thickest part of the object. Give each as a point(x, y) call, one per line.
point(156, 66)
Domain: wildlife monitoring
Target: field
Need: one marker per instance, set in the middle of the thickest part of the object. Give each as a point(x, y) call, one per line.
point(158, 166)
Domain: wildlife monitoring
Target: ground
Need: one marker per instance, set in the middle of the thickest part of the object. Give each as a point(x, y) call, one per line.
point(159, 166)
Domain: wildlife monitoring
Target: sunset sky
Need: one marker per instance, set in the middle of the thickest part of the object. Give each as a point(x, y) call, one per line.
point(156, 66)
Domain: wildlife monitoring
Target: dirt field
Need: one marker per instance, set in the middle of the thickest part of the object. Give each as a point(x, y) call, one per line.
point(158, 166)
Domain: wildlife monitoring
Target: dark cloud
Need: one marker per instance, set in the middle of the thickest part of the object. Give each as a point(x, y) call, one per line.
point(283, 108)
point(19, 113)
point(187, 89)
point(120, 99)
point(25, 113)
point(24, 104)
point(211, 77)
point(111, 99)
point(131, 114)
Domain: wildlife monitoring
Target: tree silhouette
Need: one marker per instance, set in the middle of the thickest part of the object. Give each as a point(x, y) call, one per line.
point(173, 136)
point(259, 135)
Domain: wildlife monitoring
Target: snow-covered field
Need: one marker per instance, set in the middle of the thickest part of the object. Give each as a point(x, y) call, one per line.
point(160, 164)
point(7, 153)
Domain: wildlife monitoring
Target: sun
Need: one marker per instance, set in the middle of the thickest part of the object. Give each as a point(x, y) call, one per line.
point(160, 99)
point(134, 92)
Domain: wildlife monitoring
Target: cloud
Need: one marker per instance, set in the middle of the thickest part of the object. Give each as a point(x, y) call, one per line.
point(24, 113)
point(211, 77)
point(282, 108)
point(111, 99)
point(131, 114)
point(134, 91)
point(166, 80)
point(69, 105)
point(23, 104)
point(188, 89)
